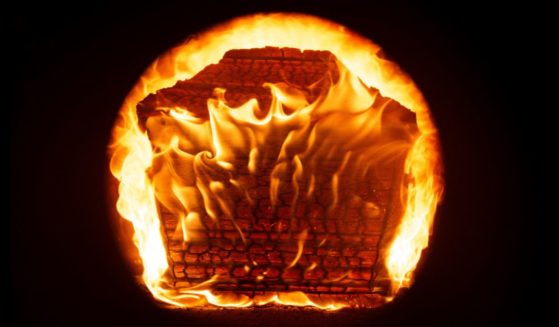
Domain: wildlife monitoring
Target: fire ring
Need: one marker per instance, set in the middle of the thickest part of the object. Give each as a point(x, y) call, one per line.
point(277, 159)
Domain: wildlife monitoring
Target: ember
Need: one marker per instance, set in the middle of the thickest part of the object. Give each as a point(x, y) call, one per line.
point(277, 175)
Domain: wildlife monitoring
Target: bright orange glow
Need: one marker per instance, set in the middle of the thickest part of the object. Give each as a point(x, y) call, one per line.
point(132, 153)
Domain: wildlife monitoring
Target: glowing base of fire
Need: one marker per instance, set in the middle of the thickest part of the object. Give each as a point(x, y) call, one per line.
point(202, 297)
point(206, 299)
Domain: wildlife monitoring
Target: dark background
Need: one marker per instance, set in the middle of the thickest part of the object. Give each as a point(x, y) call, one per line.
point(70, 67)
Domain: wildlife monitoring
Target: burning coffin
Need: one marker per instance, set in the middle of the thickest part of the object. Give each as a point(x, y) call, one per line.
point(276, 170)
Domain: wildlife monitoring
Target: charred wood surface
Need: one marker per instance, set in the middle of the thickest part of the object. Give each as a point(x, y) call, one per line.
point(343, 244)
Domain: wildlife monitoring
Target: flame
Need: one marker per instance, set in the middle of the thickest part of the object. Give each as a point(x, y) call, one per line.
point(132, 154)
point(300, 245)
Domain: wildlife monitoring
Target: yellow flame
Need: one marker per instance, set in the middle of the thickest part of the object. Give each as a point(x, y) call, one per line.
point(423, 193)
point(132, 152)
point(300, 245)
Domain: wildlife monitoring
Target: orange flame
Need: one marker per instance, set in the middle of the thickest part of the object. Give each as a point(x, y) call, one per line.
point(132, 152)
